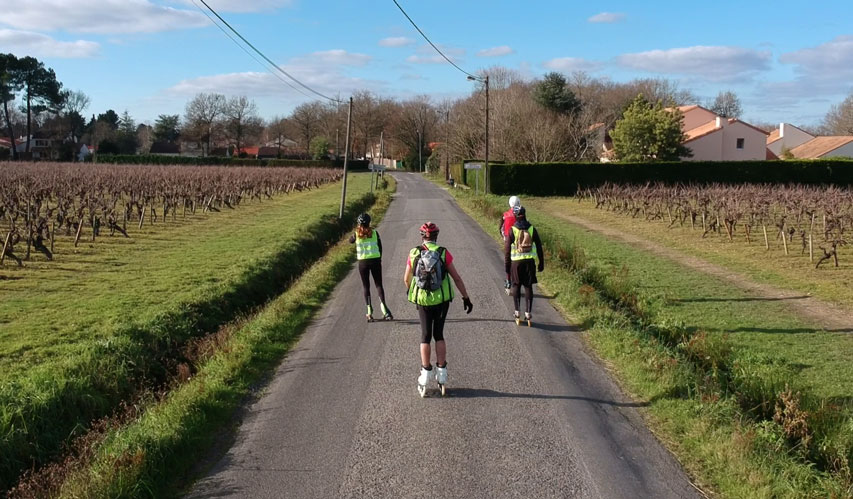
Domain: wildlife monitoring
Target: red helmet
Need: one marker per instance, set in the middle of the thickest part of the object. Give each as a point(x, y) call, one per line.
point(428, 229)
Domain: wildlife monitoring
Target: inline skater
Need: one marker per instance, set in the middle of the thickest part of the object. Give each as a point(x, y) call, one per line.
point(505, 227)
point(368, 250)
point(429, 268)
point(521, 246)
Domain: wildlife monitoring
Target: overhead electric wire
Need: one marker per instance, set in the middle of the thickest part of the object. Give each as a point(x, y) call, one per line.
point(253, 56)
point(306, 87)
point(430, 42)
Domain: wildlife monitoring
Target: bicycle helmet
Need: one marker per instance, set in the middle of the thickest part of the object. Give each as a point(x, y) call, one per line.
point(514, 201)
point(363, 219)
point(519, 211)
point(428, 229)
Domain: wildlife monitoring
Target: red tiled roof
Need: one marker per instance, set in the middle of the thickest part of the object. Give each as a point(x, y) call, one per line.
point(770, 156)
point(774, 136)
point(249, 151)
point(735, 120)
point(701, 131)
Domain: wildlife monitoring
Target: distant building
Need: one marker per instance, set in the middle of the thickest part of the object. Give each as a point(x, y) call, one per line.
point(800, 144)
point(714, 138)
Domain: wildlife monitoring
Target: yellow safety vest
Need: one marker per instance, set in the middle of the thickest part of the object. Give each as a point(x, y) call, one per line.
point(515, 255)
point(424, 297)
point(367, 248)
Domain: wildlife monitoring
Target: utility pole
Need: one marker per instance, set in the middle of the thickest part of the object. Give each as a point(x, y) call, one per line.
point(420, 153)
point(486, 176)
point(346, 156)
point(447, 146)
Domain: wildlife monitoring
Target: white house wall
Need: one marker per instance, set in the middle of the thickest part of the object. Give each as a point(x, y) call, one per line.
point(707, 148)
point(792, 138)
point(845, 151)
point(754, 147)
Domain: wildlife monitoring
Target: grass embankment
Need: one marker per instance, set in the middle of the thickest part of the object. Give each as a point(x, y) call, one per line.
point(151, 455)
point(99, 325)
point(754, 402)
point(753, 260)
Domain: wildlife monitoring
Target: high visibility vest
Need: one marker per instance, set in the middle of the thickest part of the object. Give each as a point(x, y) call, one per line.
point(367, 248)
point(514, 253)
point(423, 297)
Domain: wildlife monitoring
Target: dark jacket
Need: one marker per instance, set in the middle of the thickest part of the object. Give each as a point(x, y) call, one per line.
point(509, 240)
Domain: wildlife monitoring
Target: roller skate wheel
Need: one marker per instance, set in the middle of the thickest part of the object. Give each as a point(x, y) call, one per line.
point(443, 390)
point(422, 391)
point(507, 291)
point(529, 323)
point(517, 322)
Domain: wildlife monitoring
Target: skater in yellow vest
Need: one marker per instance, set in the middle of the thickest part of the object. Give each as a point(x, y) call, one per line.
point(521, 246)
point(368, 251)
point(429, 268)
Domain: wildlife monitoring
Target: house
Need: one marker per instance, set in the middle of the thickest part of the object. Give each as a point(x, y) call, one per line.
point(85, 151)
point(789, 141)
point(267, 152)
point(40, 148)
point(714, 138)
point(163, 148)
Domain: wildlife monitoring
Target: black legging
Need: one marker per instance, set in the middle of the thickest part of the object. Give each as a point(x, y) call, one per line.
point(528, 296)
point(432, 321)
point(367, 267)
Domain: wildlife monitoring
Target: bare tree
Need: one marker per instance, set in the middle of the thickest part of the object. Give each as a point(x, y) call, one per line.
point(307, 119)
point(839, 119)
point(727, 105)
point(201, 118)
point(242, 122)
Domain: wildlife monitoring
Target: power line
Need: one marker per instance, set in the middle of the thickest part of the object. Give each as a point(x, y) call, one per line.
point(306, 87)
point(430, 41)
point(253, 56)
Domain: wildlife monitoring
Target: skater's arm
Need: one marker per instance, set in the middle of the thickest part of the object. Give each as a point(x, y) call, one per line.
point(379, 243)
point(407, 277)
point(352, 239)
point(507, 250)
point(540, 252)
point(451, 269)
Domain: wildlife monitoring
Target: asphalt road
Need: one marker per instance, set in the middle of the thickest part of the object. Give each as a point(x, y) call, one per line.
point(529, 413)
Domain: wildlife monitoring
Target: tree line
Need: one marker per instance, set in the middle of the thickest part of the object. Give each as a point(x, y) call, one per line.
point(555, 118)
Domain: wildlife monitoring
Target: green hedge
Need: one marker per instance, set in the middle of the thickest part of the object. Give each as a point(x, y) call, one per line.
point(156, 159)
point(460, 174)
point(564, 179)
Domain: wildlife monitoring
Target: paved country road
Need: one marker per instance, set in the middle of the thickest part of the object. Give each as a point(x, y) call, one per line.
point(528, 414)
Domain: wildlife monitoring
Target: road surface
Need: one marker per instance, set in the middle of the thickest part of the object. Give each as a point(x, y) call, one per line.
point(529, 413)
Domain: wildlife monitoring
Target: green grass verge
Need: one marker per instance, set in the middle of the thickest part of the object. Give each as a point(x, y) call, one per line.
point(75, 346)
point(743, 414)
point(753, 260)
point(151, 456)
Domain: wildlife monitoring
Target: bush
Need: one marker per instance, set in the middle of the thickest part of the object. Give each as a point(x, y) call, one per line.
point(564, 179)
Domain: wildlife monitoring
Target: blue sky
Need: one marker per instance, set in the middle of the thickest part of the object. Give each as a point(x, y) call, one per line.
point(786, 60)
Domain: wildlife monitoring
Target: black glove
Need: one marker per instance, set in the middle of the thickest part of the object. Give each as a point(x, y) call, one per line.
point(541, 266)
point(467, 305)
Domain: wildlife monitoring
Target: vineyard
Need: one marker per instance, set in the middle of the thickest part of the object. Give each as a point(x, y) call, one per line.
point(801, 219)
point(40, 203)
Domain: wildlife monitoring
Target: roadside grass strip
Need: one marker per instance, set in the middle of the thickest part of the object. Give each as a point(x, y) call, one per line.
point(754, 402)
point(175, 289)
point(151, 455)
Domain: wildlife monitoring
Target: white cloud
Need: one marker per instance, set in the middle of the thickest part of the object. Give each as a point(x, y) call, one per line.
point(607, 18)
point(22, 43)
point(244, 5)
point(396, 41)
point(427, 59)
point(100, 16)
point(712, 63)
point(571, 64)
point(496, 51)
point(412, 76)
point(335, 57)
point(831, 60)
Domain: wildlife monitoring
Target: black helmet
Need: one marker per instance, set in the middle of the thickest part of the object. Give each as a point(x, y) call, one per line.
point(519, 212)
point(363, 219)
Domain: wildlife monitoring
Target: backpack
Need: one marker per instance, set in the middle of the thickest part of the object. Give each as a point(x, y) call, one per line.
point(524, 242)
point(429, 269)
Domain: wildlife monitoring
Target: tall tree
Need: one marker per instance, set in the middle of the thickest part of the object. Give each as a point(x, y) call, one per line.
point(167, 128)
point(839, 119)
point(127, 138)
point(554, 93)
point(727, 105)
point(201, 117)
point(241, 121)
point(10, 85)
point(42, 91)
point(649, 132)
point(307, 118)
point(111, 118)
point(74, 101)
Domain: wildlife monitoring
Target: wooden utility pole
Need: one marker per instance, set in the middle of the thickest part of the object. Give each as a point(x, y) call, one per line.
point(346, 158)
